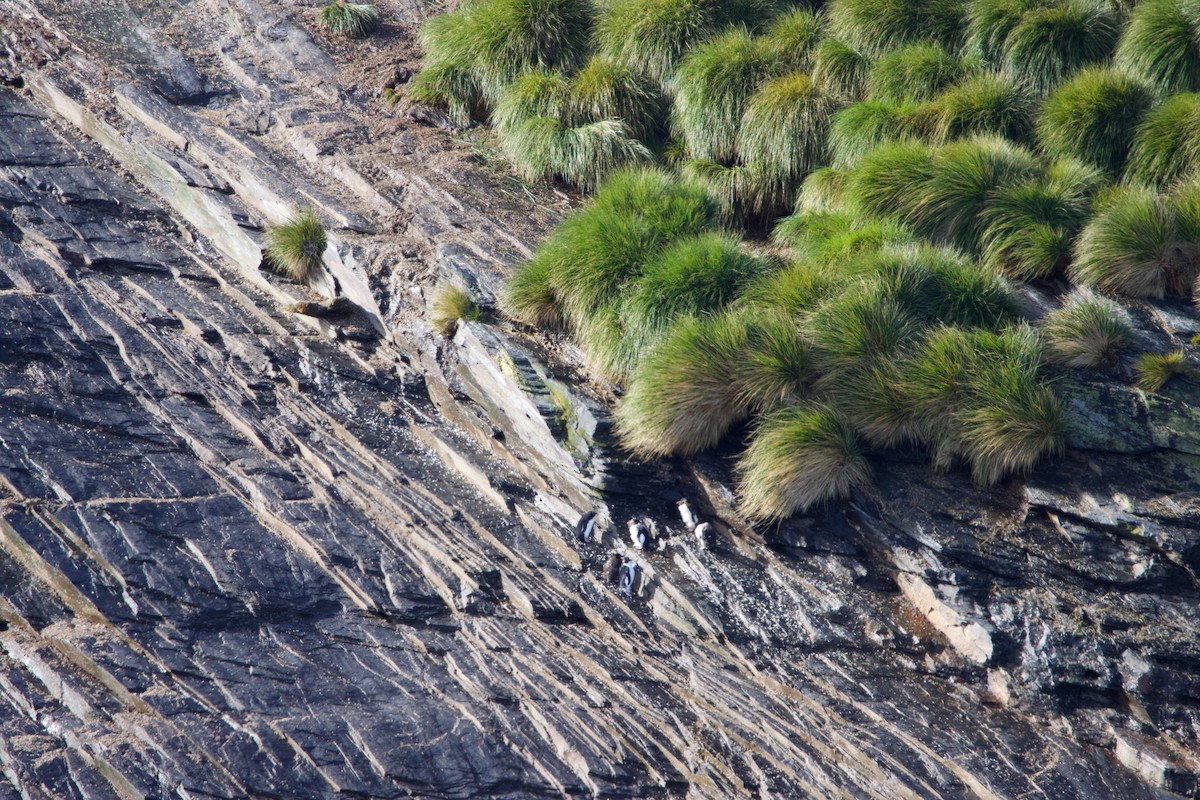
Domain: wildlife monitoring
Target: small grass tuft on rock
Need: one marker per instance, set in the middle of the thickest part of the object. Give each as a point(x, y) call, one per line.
point(450, 306)
point(297, 247)
point(1089, 330)
point(1154, 370)
point(350, 19)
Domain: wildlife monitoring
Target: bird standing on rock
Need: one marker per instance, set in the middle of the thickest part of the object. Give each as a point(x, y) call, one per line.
point(702, 531)
point(628, 576)
point(638, 534)
point(586, 526)
point(685, 514)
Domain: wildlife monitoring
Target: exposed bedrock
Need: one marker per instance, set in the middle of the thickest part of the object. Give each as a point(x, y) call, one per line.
point(258, 540)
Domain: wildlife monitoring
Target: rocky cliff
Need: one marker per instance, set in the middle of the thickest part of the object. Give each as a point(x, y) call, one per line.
point(260, 541)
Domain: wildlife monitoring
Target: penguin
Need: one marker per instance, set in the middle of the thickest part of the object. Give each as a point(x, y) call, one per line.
point(612, 568)
point(685, 514)
point(638, 534)
point(628, 576)
point(702, 531)
point(586, 526)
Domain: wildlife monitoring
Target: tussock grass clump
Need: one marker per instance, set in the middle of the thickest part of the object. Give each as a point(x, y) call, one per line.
point(1052, 42)
point(913, 73)
point(528, 297)
point(793, 290)
point(350, 19)
point(690, 277)
point(777, 364)
point(651, 35)
point(858, 129)
point(1016, 422)
point(1166, 146)
point(989, 23)
point(736, 188)
point(791, 38)
point(889, 180)
point(599, 249)
point(297, 247)
point(451, 305)
point(682, 397)
point(935, 285)
point(1161, 43)
point(976, 394)
point(782, 136)
point(862, 326)
point(1029, 228)
point(607, 89)
point(963, 178)
point(714, 83)
point(543, 148)
point(534, 94)
point(822, 190)
point(486, 44)
point(840, 69)
point(448, 79)
point(825, 239)
point(1141, 244)
point(1154, 370)
point(1087, 331)
point(981, 105)
point(799, 456)
point(1092, 117)
point(875, 27)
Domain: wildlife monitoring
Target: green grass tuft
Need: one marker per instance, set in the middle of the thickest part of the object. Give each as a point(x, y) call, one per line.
point(840, 69)
point(448, 80)
point(595, 254)
point(830, 239)
point(889, 180)
point(1154, 370)
point(1140, 244)
point(528, 297)
point(1092, 117)
point(860, 327)
point(983, 105)
point(822, 190)
point(297, 248)
point(799, 456)
point(736, 188)
point(534, 94)
point(963, 179)
point(791, 38)
point(714, 83)
point(1161, 43)
point(606, 89)
point(652, 35)
point(989, 24)
point(913, 73)
point(1052, 42)
point(875, 27)
point(681, 398)
point(1087, 331)
point(450, 306)
point(783, 136)
point(1166, 145)
point(794, 290)
point(776, 366)
point(544, 148)
point(858, 129)
point(1029, 228)
point(690, 277)
point(350, 19)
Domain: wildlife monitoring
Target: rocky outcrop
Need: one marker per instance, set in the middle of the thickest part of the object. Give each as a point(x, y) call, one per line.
point(262, 540)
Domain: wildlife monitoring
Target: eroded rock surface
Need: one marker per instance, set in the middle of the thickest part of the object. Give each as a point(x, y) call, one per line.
point(250, 552)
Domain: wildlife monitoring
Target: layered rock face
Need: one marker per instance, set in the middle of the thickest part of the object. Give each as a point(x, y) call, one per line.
point(252, 552)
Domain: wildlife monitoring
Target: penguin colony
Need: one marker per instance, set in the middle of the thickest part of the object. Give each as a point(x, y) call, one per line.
point(623, 571)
